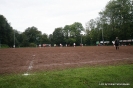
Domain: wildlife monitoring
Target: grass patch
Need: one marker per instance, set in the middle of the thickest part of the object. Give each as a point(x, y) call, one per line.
point(86, 77)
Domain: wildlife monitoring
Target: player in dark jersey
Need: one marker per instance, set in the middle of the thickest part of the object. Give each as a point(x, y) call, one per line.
point(117, 43)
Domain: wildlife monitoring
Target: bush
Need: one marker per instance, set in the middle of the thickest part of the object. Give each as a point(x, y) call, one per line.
point(32, 45)
point(4, 46)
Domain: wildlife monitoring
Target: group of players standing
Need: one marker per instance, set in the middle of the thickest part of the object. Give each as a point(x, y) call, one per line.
point(74, 44)
point(116, 44)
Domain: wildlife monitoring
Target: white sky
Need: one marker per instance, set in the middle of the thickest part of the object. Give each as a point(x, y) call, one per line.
point(47, 15)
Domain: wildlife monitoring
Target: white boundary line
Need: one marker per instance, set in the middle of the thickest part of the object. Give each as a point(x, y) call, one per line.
point(55, 64)
point(30, 66)
point(60, 64)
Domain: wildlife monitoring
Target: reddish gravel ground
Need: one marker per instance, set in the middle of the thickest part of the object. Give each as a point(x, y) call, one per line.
point(25, 60)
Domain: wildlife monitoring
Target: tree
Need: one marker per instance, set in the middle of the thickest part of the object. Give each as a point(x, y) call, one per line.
point(75, 32)
point(51, 39)
point(45, 39)
point(6, 32)
point(93, 33)
point(17, 38)
point(66, 31)
point(31, 35)
point(75, 29)
point(58, 36)
point(118, 15)
point(115, 20)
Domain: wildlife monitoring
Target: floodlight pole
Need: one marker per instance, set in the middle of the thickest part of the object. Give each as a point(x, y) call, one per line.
point(102, 36)
point(14, 39)
point(81, 39)
point(102, 29)
point(0, 42)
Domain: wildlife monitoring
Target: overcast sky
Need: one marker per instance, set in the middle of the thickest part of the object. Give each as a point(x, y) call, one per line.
point(47, 15)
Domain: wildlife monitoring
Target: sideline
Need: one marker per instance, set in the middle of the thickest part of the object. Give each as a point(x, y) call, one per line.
point(30, 67)
point(55, 64)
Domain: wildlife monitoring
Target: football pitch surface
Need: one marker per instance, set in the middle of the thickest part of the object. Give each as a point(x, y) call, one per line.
point(28, 60)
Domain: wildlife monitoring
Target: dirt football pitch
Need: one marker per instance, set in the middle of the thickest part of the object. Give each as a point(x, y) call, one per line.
point(27, 60)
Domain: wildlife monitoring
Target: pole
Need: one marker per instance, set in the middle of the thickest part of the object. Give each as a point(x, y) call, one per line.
point(81, 39)
point(102, 29)
point(14, 39)
point(0, 42)
point(102, 37)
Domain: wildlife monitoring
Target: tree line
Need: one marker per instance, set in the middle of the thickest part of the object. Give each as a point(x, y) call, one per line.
point(115, 20)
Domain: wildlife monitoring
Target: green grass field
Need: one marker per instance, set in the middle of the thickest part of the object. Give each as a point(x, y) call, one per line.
point(86, 77)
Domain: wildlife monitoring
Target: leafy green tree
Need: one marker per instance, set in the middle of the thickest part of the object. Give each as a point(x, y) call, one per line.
point(118, 15)
point(70, 41)
point(17, 38)
point(77, 28)
point(66, 31)
point(31, 35)
point(51, 39)
point(6, 32)
point(93, 33)
point(25, 40)
point(87, 36)
point(45, 39)
point(58, 36)
point(115, 20)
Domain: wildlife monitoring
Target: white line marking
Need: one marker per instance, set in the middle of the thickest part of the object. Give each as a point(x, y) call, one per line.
point(30, 67)
point(55, 64)
point(25, 74)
